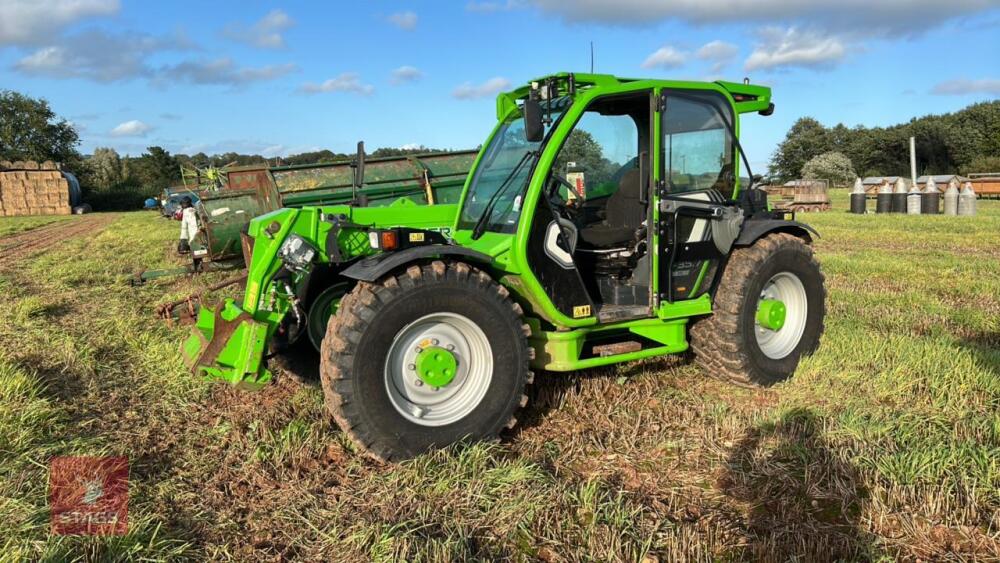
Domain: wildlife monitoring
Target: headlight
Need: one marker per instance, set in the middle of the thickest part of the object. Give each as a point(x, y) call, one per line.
point(296, 253)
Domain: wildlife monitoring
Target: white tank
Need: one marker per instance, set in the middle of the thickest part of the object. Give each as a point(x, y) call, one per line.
point(951, 198)
point(913, 201)
point(967, 200)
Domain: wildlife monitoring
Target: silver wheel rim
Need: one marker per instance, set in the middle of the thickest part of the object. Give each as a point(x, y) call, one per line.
point(428, 406)
point(787, 288)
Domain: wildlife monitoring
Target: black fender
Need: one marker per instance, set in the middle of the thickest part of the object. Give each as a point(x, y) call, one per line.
point(374, 267)
point(754, 229)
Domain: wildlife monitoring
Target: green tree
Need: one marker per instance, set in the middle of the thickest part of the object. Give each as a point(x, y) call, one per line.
point(105, 168)
point(156, 168)
point(30, 130)
point(831, 166)
point(807, 138)
point(588, 155)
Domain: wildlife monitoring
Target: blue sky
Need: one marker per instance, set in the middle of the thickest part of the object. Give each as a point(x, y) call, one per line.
point(278, 79)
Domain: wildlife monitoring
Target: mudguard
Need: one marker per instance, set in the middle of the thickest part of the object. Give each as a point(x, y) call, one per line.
point(374, 267)
point(753, 229)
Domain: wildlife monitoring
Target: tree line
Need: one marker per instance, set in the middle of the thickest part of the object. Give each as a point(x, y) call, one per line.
point(31, 130)
point(962, 142)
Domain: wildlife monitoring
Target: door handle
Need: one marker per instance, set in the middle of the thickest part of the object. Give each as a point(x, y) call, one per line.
point(643, 180)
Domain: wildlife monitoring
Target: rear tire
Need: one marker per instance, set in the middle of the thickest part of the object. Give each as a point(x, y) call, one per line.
point(731, 345)
point(366, 368)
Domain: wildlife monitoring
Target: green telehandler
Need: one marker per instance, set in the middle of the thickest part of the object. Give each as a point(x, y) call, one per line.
point(603, 221)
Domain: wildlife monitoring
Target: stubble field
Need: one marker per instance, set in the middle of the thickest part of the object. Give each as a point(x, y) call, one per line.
point(884, 446)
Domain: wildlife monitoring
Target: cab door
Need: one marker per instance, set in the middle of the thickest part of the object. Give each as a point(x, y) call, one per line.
point(697, 178)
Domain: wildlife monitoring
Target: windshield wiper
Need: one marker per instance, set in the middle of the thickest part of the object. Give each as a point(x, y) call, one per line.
point(480, 226)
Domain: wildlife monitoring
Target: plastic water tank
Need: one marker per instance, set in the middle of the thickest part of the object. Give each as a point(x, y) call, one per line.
point(967, 200)
point(913, 201)
point(951, 198)
point(930, 200)
point(883, 200)
point(899, 196)
point(858, 196)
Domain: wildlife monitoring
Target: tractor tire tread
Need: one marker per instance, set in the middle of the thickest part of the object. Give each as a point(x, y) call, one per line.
point(715, 340)
point(358, 309)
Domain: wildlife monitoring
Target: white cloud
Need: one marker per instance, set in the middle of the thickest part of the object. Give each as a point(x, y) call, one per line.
point(266, 33)
point(132, 128)
point(403, 20)
point(665, 57)
point(962, 86)
point(96, 55)
point(33, 22)
point(718, 52)
point(221, 72)
point(491, 87)
point(793, 47)
point(406, 74)
point(411, 146)
point(906, 16)
point(346, 82)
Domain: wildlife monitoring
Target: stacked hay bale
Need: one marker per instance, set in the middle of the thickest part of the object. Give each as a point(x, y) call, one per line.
point(30, 188)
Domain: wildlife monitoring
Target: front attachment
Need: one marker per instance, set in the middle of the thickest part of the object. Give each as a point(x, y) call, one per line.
point(228, 344)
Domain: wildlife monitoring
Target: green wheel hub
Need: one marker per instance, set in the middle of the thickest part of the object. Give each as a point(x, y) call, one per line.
point(436, 366)
point(771, 314)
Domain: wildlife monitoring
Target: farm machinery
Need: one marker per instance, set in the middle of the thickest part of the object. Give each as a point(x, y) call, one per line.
point(241, 193)
point(603, 221)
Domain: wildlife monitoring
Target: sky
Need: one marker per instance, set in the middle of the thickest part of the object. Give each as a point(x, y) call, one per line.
point(278, 79)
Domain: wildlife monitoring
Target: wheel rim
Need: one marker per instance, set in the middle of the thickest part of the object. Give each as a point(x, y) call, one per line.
point(449, 336)
point(786, 288)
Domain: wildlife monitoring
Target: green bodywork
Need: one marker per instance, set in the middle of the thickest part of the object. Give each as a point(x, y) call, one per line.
point(558, 339)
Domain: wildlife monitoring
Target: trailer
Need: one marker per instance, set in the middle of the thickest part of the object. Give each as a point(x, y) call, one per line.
point(249, 191)
point(800, 196)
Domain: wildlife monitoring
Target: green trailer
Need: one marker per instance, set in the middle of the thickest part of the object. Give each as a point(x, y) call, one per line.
point(434, 178)
point(250, 191)
point(603, 221)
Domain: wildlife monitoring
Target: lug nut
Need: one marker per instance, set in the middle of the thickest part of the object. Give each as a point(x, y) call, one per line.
point(435, 341)
point(412, 367)
point(418, 349)
point(418, 383)
point(451, 347)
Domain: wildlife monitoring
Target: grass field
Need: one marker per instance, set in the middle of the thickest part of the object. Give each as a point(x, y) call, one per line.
point(884, 446)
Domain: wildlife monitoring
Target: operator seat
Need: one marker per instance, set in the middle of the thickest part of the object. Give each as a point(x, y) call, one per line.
point(624, 214)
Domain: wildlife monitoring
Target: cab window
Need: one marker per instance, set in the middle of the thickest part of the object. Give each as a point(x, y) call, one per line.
point(698, 147)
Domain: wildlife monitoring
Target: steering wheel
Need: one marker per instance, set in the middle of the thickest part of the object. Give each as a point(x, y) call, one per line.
point(557, 201)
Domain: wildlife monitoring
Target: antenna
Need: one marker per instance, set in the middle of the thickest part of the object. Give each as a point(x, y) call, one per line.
point(591, 57)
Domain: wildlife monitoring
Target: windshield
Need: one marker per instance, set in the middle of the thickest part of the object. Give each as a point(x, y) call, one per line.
point(506, 160)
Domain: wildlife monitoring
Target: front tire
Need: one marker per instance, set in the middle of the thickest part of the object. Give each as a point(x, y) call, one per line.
point(732, 344)
point(431, 356)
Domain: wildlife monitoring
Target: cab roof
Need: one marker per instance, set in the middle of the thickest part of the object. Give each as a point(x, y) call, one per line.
point(746, 97)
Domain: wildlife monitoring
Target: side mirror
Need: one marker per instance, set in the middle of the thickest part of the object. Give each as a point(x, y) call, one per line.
point(359, 170)
point(534, 130)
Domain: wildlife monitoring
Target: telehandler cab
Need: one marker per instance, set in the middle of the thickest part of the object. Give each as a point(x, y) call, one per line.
point(603, 221)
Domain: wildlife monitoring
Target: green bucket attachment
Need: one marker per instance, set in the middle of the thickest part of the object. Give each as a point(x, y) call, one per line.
point(228, 344)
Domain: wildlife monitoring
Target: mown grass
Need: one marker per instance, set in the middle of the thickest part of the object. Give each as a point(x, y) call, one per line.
point(885, 445)
point(11, 225)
